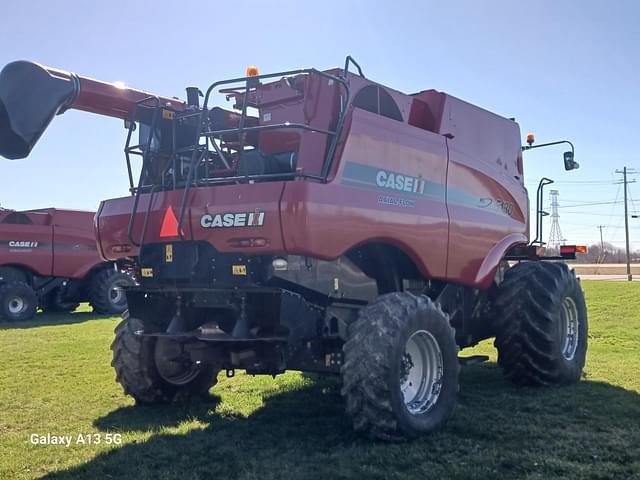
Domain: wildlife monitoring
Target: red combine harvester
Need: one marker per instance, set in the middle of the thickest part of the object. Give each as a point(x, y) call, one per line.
point(323, 223)
point(48, 258)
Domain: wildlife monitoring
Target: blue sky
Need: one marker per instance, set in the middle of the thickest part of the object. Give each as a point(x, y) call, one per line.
point(564, 69)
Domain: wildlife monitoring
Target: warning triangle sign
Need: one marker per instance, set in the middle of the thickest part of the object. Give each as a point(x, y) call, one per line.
point(169, 226)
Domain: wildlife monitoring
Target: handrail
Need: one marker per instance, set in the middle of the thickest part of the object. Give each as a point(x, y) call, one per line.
point(199, 151)
point(350, 59)
point(249, 178)
point(274, 126)
point(540, 213)
point(146, 153)
point(249, 83)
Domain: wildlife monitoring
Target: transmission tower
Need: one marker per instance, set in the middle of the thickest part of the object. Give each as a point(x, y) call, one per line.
point(555, 237)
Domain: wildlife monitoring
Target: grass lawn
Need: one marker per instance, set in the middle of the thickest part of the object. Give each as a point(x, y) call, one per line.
point(55, 377)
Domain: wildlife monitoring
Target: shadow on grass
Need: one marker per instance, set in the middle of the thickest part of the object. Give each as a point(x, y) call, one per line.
point(589, 430)
point(51, 319)
point(156, 417)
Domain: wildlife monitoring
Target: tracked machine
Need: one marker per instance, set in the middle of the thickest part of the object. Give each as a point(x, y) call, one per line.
point(322, 222)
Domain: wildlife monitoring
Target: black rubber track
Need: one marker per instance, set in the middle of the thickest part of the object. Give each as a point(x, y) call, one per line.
point(99, 290)
point(133, 361)
point(22, 290)
point(370, 373)
point(527, 324)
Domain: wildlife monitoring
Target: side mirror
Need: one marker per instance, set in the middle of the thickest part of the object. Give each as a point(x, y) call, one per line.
point(569, 162)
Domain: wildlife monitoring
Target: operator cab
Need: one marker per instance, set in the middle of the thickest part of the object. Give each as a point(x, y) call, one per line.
point(278, 130)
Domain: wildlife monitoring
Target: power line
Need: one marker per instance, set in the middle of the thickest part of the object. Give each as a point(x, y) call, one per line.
point(589, 204)
point(593, 214)
point(632, 202)
point(533, 185)
point(614, 231)
point(613, 207)
point(592, 182)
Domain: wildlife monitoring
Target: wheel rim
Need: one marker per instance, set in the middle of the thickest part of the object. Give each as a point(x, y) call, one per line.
point(116, 294)
point(17, 305)
point(421, 372)
point(569, 328)
point(173, 364)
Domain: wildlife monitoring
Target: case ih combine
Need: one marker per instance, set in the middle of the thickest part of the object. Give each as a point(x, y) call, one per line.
point(48, 258)
point(323, 223)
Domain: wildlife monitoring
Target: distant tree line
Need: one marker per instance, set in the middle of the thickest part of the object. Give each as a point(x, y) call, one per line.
point(607, 253)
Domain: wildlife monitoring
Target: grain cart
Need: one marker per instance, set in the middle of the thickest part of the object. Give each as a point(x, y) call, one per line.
point(48, 258)
point(324, 223)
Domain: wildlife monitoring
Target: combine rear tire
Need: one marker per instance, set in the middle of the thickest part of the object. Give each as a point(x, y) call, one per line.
point(400, 374)
point(18, 301)
point(541, 325)
point(142, 368)
point(105, 294)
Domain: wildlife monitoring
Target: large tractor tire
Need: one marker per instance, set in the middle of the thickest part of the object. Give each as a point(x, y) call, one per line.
point(155, 371)
point(541, 324)
point(18, 301)
point(105, 294)
point(54, 302)
point(400, 373)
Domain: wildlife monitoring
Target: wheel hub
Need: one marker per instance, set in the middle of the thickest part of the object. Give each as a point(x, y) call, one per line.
point(421, 372)
point(17, 305)
point(569, 328)
point(116, 294)
point(173, 364)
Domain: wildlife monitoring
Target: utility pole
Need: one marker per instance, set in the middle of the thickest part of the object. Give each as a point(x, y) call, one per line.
point(600, 227)
point(626, 221)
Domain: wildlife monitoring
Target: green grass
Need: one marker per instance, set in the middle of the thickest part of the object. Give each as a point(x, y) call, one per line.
point(55, 377)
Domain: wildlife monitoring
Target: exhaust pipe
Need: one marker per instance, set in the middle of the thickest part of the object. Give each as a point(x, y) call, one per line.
point(31, 95)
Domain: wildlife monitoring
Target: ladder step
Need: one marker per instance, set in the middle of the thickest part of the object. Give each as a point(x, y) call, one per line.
point(472, 360)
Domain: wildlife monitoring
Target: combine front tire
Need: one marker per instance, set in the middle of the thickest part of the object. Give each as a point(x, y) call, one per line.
point(105, 294)
point(18, 301)
point(400, 374)
point(541, 327)
point(145, 367)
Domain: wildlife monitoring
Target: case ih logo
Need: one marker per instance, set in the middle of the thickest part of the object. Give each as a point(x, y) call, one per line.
point(397, 181)
point(20, 244)
point(231, 220)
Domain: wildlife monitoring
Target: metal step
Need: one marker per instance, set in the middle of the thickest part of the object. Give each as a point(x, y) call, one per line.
point(214, 337)
point(472, 360)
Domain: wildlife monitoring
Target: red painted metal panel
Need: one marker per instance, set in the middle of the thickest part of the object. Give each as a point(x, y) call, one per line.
point(74, 244)
point(444, 185)
point(107, 99)
point(326, 220)
point(34, 250)
point(260, 201)
point(58, 243)
point(486, 197)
